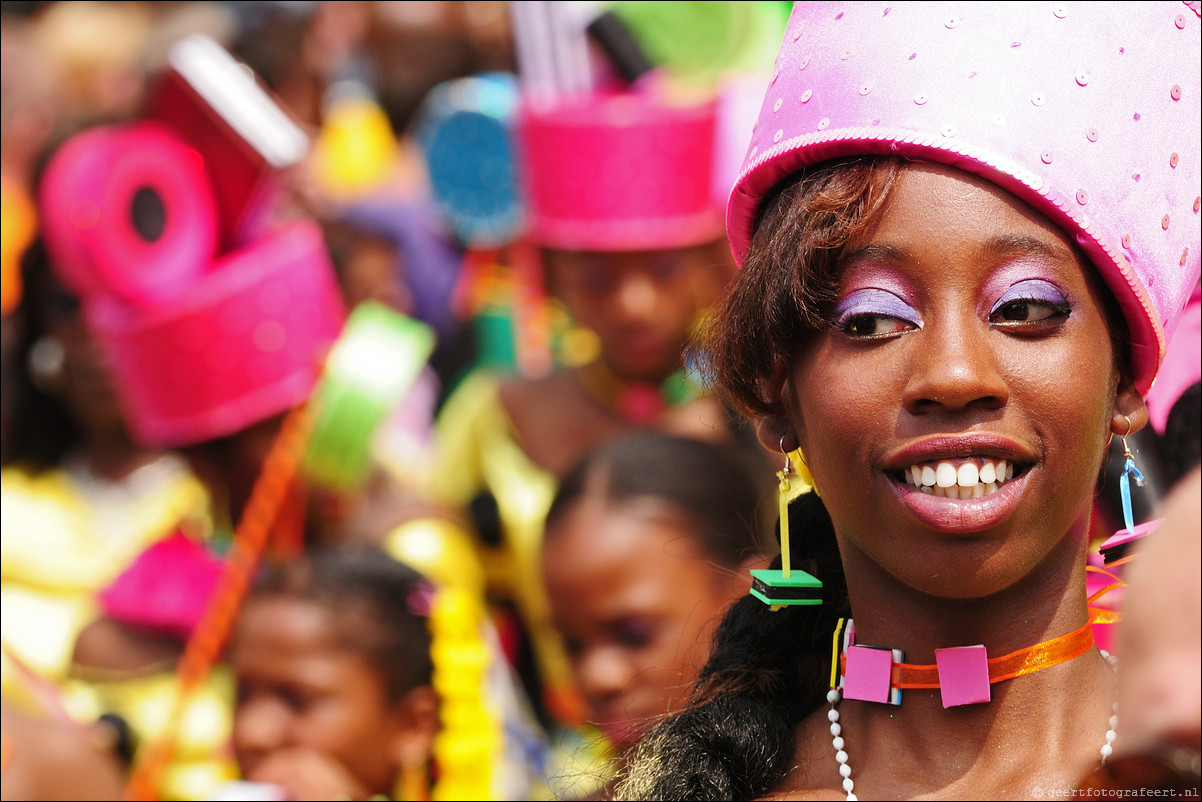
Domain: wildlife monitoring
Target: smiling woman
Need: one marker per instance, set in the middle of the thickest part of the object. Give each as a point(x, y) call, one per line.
point(950, 301)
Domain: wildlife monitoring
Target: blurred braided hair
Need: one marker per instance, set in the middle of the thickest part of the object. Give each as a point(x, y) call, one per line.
point(735, 738)
point(768, 670)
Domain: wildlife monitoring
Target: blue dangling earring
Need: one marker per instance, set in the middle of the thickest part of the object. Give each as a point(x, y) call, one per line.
point(1116, 548)
point(1129, 472)
point(787, 586)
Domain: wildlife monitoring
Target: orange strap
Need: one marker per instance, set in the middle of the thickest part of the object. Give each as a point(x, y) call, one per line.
point(205, 646)
point(1024, 661)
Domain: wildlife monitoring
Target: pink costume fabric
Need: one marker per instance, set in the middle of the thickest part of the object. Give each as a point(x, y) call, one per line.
point(202, 343)
point(1088, 112)
point(1182, 364)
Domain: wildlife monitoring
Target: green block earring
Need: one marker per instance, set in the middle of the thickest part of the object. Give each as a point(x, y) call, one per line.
point(784, 587)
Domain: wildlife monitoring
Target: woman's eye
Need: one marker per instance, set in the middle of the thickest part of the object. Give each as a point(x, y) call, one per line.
point(634, 633)
point(1029, 302)
point(1027, 312)
point(297, 700)
point(874, 326)
point(870, 313)
point(666, 266)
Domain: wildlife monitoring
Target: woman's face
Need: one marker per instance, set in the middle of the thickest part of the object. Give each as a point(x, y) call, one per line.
point(301, 692)
point(968, 340)
point(636, 603)
point(641, 304)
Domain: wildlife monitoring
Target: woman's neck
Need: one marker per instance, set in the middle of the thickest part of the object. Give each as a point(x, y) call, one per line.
point(1042, 730)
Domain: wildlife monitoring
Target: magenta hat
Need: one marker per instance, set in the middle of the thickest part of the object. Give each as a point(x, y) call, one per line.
point(619, 172)
point(200, 343)
point(1087, 112)
point(245, 343)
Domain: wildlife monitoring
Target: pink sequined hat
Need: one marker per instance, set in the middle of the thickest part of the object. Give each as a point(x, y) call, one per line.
point(619, 172)
point(1089, 112)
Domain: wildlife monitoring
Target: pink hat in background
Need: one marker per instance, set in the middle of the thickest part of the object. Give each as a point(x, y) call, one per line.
point(619, 171)
point(212, 317)
point(1087, 112)
point(200, 343)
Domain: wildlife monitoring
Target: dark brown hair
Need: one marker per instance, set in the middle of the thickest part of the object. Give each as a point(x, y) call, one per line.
point(791, 273)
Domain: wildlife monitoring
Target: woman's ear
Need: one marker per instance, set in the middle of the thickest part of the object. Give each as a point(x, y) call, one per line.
point(775, 433)
point(415, 723)
point(1130, 412)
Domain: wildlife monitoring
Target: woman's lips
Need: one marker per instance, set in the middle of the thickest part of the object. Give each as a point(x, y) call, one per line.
point(961, 515)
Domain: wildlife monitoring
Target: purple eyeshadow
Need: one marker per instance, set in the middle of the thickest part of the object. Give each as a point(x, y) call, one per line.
point(1034, 289)
point(872, 301)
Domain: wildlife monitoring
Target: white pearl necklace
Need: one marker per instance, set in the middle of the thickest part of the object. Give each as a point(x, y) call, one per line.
point(834, 695)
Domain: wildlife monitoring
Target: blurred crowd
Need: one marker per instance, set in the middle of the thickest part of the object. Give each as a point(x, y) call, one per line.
point(285, 405)
point(283, 432)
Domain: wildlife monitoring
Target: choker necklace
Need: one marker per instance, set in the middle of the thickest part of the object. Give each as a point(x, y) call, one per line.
point(640, 403)
point(1024, 661)
point(963, 674)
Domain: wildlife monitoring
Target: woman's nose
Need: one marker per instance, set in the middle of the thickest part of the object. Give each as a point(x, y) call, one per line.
point(637, 297)
point(260, 728)
point(602, 672)
point(955, 366)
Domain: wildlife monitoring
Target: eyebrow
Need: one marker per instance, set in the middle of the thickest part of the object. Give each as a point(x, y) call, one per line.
point(1025, 245)
point(1017, 244)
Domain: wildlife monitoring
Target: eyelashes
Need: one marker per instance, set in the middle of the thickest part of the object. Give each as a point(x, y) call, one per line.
point(872, 313)
point(1030, 297)
point(875, 303)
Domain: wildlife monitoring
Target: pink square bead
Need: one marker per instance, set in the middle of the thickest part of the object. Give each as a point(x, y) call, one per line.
point(867, 676)
point(963, 675)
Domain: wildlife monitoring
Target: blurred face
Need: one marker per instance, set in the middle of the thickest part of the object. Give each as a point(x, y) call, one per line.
point(300, 689)
point(636, 603)
point(642, 304)
point(85, 388)
point(959, 404)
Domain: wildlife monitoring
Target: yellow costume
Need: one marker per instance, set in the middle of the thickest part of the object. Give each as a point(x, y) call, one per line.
point(479, 452)
point(64, 540)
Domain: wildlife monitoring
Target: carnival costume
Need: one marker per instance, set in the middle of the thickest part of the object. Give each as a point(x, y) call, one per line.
point(1088, 113)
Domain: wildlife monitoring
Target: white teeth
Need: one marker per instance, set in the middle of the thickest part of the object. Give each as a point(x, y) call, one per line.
point(964, 480)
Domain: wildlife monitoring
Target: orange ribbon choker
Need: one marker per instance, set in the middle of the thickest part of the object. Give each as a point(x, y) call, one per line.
point(963, 674)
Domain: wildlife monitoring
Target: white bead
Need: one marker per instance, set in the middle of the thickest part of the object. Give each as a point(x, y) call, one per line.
point(1110, 736)
point(832, 715)
point(852, 797)
point(837, 743)
point(1114, 722)
point(841, 756)
point(848, 785)
point(845, 770)
point(832, 695)
point(1107, 750)
point(836, 729)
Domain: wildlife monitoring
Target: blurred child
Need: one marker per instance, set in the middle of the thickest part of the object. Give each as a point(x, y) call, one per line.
point(629, 241)
point(647, 542)
point(336, 667)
